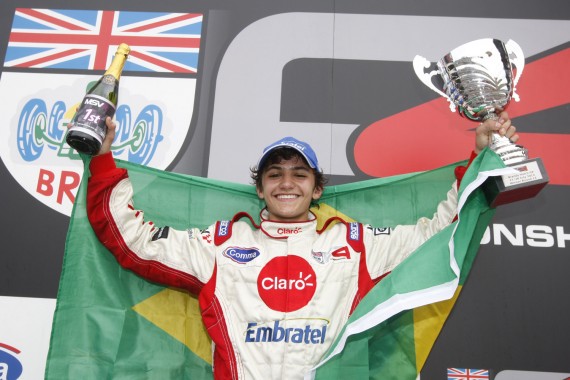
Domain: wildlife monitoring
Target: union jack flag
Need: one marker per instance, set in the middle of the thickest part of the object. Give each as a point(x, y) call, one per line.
point(467, 374)
point(88, 39)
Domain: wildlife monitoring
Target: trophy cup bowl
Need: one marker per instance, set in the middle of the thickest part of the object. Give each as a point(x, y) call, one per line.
point(479, 80)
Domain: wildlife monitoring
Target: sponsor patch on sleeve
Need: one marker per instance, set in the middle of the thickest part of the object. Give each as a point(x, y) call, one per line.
point(162, 233)
point(379, 230)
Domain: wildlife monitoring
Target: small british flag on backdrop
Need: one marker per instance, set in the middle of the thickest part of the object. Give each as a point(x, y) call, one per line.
point(467, 374)
point(87, 39)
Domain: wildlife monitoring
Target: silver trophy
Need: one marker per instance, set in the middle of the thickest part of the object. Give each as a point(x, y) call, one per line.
point(479, 79)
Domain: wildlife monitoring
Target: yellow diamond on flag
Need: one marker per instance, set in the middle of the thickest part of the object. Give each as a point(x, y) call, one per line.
point(324, 212)
point(428, 322)
point(178, 314)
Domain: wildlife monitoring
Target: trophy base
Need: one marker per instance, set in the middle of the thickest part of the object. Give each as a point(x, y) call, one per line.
point(528, 182)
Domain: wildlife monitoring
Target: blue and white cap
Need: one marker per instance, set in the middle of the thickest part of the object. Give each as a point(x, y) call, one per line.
point(290, 142)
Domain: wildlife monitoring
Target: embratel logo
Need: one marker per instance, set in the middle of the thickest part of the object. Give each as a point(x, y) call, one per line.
point(153, 117)
point(10, 366)
point(287, 283)
point(311, 331)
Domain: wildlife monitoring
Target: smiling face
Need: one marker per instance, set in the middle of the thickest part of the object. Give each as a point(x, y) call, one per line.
point(288, 187)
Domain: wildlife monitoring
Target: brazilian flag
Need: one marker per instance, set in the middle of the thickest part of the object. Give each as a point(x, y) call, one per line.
point(112, 324)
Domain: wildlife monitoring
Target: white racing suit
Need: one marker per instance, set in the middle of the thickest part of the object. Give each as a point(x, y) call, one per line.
point(274, 297)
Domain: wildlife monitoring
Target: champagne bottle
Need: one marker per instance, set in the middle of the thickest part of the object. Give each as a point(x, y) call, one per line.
point(88, 128)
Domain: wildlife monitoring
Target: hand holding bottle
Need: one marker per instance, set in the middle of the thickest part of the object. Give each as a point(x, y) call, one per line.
point(88, 127)
point(109, 137)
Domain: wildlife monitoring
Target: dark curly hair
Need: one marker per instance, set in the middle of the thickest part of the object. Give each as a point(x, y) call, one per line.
point(279, 155)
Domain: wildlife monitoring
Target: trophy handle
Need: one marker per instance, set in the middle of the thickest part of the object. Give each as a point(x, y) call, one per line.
point(420, 64)
point(516, 57)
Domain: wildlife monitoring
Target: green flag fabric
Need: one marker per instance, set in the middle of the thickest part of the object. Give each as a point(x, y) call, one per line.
point(393, 328)
point(111, 324)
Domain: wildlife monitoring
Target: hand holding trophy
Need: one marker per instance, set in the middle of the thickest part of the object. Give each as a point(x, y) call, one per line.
point(479, 79)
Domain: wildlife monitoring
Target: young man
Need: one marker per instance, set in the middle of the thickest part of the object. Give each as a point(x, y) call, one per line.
point(273, 297)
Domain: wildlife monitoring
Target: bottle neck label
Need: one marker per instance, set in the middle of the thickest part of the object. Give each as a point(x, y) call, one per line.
point(108, 79)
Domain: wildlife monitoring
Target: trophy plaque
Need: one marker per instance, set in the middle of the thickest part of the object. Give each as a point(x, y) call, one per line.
point(479, 79)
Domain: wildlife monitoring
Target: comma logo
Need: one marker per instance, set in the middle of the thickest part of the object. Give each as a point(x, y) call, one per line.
point(241, 255)
point(287, 283)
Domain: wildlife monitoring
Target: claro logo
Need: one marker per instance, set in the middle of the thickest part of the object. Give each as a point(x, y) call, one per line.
point(289, 231)
point(532, 235)
point(270, 283)
point(287, 283)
